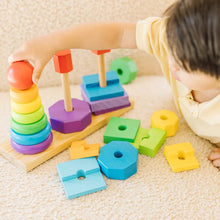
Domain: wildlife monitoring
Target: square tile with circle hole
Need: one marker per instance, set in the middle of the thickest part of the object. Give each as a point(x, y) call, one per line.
point(81, 177)
point(121, 129)
point(181, 157)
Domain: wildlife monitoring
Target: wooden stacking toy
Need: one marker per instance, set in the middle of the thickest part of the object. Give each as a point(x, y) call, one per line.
point(103, 91)
point(71, 119)
point(68, 115)
point(30, 131)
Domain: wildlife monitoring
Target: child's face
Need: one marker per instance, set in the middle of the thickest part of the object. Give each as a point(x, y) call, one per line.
point(195, 81)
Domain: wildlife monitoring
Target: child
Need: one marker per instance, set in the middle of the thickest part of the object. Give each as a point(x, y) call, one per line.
point(186, 43)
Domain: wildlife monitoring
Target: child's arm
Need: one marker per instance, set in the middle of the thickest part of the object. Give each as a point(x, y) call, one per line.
point(92, 36)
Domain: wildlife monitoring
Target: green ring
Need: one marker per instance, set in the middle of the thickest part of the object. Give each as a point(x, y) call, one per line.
point(29, 128)
point(28, 118)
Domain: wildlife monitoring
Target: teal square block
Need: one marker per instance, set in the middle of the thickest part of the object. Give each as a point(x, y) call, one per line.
point(121, 129)
point(94, 92)
point(81, 177)
point(91, 81)
point(148, 142)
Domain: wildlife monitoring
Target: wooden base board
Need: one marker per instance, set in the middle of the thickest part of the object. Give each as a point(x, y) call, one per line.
point(60, 142)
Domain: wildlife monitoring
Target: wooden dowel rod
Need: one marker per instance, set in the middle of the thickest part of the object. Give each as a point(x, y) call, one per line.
point(102, 75)
point(67, 95)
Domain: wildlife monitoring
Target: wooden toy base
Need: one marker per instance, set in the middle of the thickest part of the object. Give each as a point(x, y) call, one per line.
point(60, 142)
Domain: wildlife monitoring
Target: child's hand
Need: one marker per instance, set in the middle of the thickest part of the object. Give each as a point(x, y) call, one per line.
point(215, 157)
point(38, 51)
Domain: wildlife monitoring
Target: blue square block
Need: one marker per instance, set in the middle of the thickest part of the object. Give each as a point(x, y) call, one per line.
point(90, 81)
point(94, 92)
point(71, 172)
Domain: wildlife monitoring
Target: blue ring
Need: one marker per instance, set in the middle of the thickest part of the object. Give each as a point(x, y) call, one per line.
point(31, 139)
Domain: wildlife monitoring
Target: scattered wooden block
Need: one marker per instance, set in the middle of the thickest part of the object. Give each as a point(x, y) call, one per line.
point(165, 120)
point(148, 142)
point(181, 157)
point(118, 160)
point(121, 129)
point(80, 149)
point(125, 68)
point(81, 177)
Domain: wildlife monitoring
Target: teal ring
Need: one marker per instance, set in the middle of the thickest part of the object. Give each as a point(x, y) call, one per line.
point(33, 138)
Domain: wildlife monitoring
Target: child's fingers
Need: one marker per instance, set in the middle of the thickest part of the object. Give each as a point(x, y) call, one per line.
point(35, 79)
point(17, 56)
point(37, 72)
point(216, 163)
point(214, 155)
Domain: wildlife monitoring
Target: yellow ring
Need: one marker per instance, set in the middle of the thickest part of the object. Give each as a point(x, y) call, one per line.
point(27, 107)
point(24, 96)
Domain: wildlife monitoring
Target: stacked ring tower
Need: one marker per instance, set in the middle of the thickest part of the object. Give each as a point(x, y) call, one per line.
point(30, 130)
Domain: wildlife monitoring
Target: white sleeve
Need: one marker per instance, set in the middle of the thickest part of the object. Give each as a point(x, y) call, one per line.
point(202, 118)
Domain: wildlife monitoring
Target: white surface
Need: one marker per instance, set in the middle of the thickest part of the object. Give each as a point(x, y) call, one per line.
point(154, 192)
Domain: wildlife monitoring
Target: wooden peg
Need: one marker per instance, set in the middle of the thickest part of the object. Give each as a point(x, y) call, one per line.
point(101, 66)
point(63, 64)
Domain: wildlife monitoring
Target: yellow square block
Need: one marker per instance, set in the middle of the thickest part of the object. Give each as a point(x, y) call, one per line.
point(80, 149)
point(181, 157)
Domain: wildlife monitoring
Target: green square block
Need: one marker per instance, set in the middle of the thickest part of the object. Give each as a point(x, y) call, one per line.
point(142, 133)
point(121, 129)
point(148, 142)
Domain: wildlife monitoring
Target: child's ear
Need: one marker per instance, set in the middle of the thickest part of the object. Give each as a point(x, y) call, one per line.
point(174, 67)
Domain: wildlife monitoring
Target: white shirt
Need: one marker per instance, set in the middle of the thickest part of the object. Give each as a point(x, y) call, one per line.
point(202, 118)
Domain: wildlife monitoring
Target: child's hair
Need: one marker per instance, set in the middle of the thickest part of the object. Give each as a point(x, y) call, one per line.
point(193, 35)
